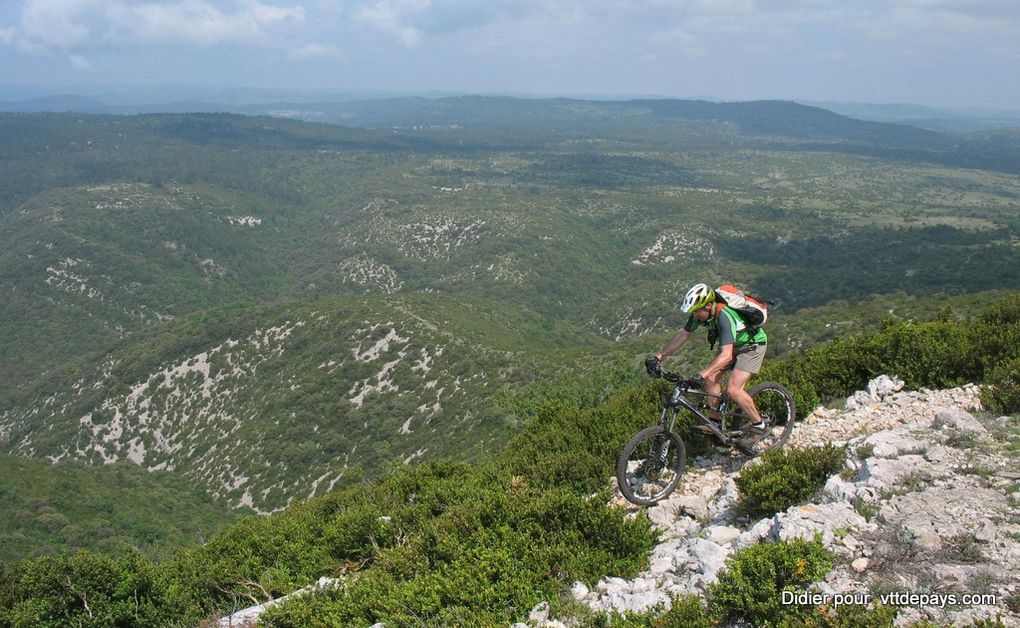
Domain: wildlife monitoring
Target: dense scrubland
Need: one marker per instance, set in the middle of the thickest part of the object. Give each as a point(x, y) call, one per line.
point(222, 313)
point(481, 543)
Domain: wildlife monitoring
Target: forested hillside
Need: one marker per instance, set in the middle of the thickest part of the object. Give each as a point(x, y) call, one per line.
point(272, 309)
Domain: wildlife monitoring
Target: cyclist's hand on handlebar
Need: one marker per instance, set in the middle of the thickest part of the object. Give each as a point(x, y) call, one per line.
point(697, 381)
point(653, 365)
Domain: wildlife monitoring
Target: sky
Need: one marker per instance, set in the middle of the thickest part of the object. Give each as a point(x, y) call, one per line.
point(948, 53)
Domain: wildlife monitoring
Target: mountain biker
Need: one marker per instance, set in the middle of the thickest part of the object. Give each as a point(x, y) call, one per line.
point(741, 348)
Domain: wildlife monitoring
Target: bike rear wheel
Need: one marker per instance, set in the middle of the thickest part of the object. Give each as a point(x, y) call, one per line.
point(650, 465)
point(778, 411)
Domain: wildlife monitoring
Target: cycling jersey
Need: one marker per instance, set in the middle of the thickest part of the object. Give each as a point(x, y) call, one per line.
point(729, 327)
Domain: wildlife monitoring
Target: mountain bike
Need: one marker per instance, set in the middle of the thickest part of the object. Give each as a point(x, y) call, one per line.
point(652, 461)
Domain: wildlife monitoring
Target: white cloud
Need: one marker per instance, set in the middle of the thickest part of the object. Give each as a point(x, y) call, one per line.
point(194, 21)
point(54, 25)
point(314, 51)
point(80, 63)
point(268, 14)
point(6, 35)
point(394, 17)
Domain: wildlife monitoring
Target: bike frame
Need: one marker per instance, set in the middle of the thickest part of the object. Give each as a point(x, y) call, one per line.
point(678, 399)
point(645, 471)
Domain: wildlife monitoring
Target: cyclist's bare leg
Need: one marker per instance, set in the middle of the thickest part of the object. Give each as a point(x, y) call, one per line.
point(713, 387)
point(737, 394)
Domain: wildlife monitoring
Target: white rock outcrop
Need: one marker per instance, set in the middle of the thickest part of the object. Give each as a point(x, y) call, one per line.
point(925, 471)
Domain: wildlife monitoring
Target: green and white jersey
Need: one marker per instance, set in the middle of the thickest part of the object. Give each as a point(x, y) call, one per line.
point(729, 327)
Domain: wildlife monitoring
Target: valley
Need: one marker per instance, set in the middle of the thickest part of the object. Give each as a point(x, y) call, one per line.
point(272, 309)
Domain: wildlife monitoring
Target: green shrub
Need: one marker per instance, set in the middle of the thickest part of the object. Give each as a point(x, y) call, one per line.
point(785, 478)
point(83, 589)
point(936, 354)
point(750, 587)
point(851, 616)
point(686, 611)
point(1003, 391)
point(797, 379)
point(863, 508)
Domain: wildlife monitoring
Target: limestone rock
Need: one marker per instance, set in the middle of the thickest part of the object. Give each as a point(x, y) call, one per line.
point(707, 558)
point(804, 522)
point(893, 443)
point(858, 400)
point(838, 489)
point(693, 506)
point(722, 535)
point(986, 532)
point(884, 473)
point(959, 419)
point(884, 385)
point(721, 509)
point(539, 613)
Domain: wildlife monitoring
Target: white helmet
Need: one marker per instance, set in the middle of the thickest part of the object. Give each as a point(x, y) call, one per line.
point(696, 298)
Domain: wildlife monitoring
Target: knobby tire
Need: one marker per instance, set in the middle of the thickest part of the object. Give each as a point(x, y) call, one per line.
point(631, 475)
point(775, 403)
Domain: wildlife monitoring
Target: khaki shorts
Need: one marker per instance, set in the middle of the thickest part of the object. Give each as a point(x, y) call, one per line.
point(749, 358)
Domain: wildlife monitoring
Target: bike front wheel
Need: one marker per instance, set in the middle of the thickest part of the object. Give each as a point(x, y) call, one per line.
point(775, 404)
point(650, 465)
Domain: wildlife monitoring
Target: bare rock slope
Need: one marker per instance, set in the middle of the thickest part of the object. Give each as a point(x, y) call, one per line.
point(926, 512)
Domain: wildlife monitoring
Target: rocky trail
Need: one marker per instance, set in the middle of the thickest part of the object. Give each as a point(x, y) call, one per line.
point(928, 506)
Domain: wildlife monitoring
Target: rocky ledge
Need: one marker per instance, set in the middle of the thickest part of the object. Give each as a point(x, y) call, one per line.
point(926, 509)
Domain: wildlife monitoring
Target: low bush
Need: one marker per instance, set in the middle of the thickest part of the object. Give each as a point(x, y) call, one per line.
point(785, 478)
point(934, 354)
point(686, 611)
point(1003, 391)
point(849, 616)
point(83, 590)
point(750, 588)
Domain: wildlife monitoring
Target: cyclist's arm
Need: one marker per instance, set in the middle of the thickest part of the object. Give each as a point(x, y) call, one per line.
point(674, 345)
point(725, 354)
point(678, 340)
point(719, 364)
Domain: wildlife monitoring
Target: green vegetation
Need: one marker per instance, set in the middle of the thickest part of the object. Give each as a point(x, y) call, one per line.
point(875, 615)
point(750, 588)
point(442, 542)
point(454, 542)
point(935, 354)
point(785, 478)
point(261, 404)
point(50, 509)
point(275, 311)
point(1003, 392)
point(112, 223)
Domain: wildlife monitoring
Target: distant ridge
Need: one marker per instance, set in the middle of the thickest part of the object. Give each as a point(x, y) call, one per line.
point(791, 119)
point(767, 117)
point(57, 103)
point(932, 118)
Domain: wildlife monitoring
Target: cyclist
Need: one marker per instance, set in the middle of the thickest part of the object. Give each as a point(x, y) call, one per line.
point(741, 348)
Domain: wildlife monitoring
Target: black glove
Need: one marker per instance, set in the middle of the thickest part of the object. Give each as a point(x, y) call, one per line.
point(696, 382)
point(652, 364)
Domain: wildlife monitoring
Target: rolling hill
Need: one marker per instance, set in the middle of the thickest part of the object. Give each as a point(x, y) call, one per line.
point(273, 308)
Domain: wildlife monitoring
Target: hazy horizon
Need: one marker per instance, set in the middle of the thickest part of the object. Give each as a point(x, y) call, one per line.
point(938, 53)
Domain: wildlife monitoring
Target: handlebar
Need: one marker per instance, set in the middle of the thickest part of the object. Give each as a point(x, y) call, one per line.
point(669, 377)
